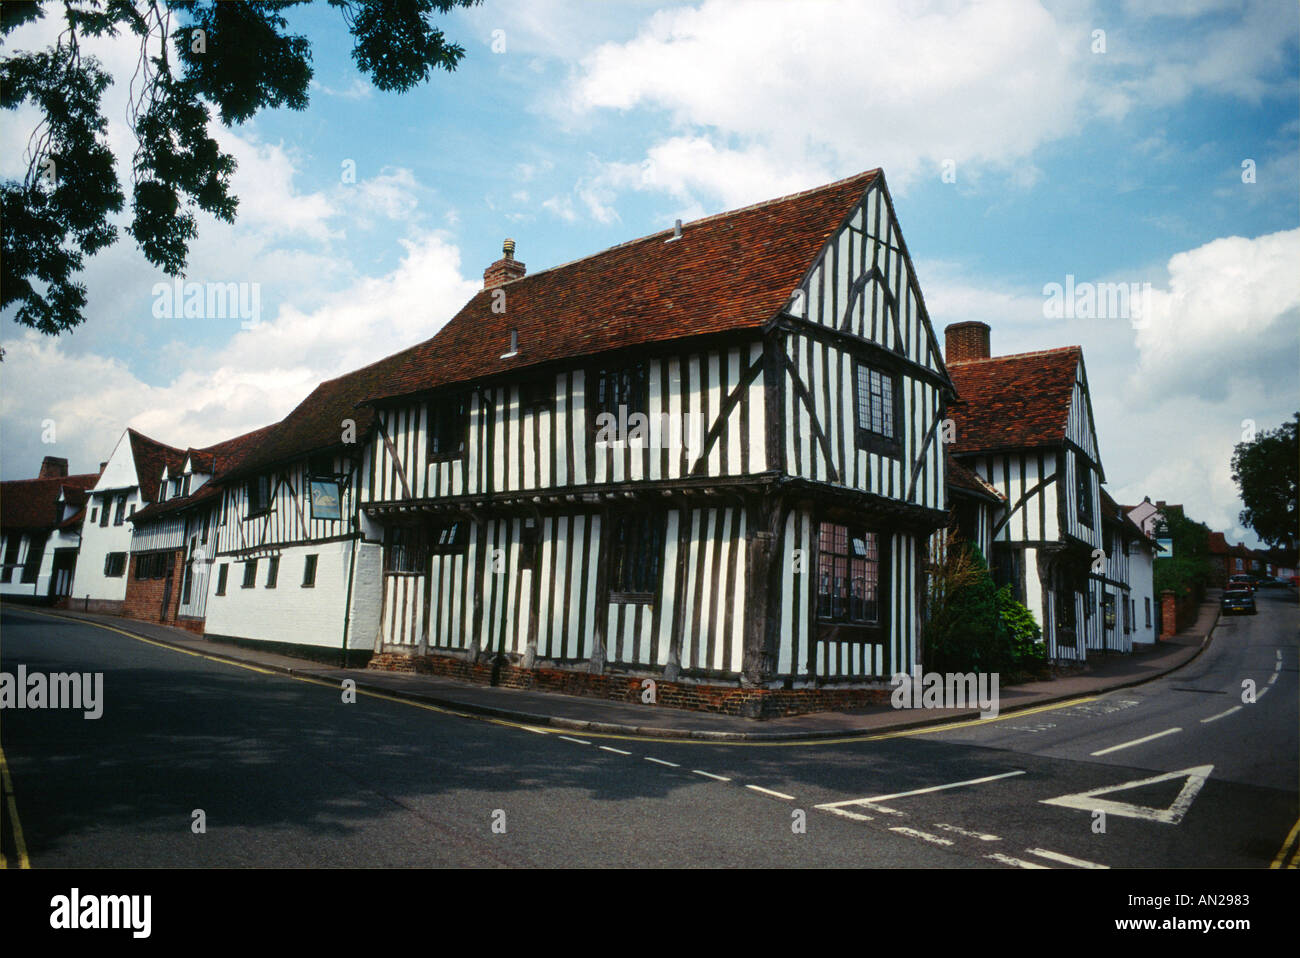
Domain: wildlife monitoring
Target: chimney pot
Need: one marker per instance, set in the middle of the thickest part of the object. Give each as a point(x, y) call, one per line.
point(505, 270)
point(964, 342)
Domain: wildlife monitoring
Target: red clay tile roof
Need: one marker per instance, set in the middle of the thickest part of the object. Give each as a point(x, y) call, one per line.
point(215, 460)
point(1013, 402)
point(32, 504)
point(150, 457)
point(961, 477)
point(729, 272)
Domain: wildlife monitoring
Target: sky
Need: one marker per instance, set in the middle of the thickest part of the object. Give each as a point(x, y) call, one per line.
point(1026, 144)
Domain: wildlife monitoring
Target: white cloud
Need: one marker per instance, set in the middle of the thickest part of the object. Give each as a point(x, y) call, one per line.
point(255, 379)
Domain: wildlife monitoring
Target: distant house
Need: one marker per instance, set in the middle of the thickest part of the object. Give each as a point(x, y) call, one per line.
point(40, 532)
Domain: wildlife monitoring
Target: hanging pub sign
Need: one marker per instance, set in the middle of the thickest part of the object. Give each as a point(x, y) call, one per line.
point(326, 500)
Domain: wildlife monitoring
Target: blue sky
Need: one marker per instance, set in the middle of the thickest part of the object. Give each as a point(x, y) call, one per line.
point(600, 122)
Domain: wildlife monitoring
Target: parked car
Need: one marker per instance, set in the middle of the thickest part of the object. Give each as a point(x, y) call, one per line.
point(1237, 600)
point(1241, 580)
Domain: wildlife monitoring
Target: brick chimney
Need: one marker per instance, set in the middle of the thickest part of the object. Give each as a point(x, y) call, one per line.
point(53, 467)
point(964, 342)
point(505, 270)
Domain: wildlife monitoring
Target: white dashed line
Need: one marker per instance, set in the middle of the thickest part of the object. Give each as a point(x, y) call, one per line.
point(660, 761)
point(1212, 718)
point(616, 751)
point(536, 731)
point(924, 836)
point(768, 791)
point(1008, 860)
point(1272, 678)
point(1064, 859)
point(1262, 692)
point(577, 741)
point(1279, 655)
point(845, 813)
point(716, 778)
point(1136, 741)
point(969, 834)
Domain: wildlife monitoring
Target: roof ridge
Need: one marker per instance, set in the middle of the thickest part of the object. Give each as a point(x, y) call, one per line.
point(1032, 352)
point(876, 171)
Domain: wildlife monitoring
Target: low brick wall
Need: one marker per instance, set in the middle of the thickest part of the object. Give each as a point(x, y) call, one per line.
point(144, 596)
point(723, 699)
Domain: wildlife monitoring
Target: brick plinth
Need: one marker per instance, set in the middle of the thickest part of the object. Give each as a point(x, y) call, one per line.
point(722, 699)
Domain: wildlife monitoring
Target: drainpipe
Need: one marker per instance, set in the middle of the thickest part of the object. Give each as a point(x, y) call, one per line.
point(352, 568)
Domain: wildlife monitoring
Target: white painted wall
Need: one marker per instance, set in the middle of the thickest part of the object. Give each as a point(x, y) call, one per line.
point(290, 613)
point(1141, 569)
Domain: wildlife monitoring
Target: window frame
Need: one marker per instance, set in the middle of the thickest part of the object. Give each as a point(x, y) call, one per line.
point(406, 550)
point(445, 416)
point(634, 375)
point(260, 507)
point(1083, 490)
point(844, 626)
point(649, 541)
point(865, 437)
point(250, 574)
point(119, 512)
point(309, 570)
point(223, 575)
point(110, 565)
point(36, 543)
point(272, 571)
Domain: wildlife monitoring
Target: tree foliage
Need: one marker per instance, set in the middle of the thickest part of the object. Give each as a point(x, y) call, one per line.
point(1188, 570)
point(238, 58)
point(1267, 472)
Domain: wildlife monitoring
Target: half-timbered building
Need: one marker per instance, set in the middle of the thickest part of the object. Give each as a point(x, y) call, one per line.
point(1024, 423)
point(708, 456)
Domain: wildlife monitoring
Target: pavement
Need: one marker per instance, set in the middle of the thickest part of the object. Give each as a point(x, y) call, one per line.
point(1104, 673)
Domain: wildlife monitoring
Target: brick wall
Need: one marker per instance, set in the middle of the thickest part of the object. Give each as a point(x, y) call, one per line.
point(724, 699)
point(966, 341)
point(144, 596)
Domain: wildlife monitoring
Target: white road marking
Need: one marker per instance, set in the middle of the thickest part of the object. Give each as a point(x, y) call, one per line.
point(660, 761)
point(1261, 693)
point(1136, 741)
point(1273, 678)
point(539, 731)
point(576, 740)
point(924, 836)
point(768, 791)
point(1064, 859)
point(845, 813)
point(1279, 655)
point(616, 751)
point(716, 778)
point(1235, 708)
point(1008, 860)
point(969, 834)
point(921, 791)
point(1088, 801)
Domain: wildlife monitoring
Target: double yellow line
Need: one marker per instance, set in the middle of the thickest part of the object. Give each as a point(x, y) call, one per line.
point(1280, 860)
point(11, 808)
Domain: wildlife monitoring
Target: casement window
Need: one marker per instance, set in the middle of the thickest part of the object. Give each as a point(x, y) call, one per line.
point(119, 514)
point(272, 571)
point(176, 487)
point(259, 496)
point(538, 394)
point(223, 571)
point(449, 538)
point(152, 565)
point(1108, 610)
point(1146, 605)
point(250, 574)
point(94, 515)
point(448, 431)
point(1083, 489)
point(35, 553)
point(115, 565)
point(848, 575)
point(406, 551)
point(636, 545)
point(621, 388)
point(106, 504)
point(309, 572)
point(11, 558)
point(876, 401)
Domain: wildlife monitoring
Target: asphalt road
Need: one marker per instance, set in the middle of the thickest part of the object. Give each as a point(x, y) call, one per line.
point(288, 774)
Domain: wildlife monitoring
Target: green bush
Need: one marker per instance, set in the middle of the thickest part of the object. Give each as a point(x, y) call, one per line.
point(1025, 647)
